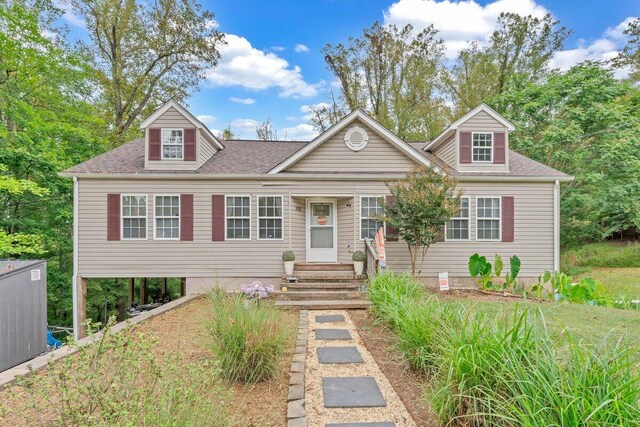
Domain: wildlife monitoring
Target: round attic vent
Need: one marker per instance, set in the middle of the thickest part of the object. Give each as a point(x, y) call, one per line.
point(356, 138)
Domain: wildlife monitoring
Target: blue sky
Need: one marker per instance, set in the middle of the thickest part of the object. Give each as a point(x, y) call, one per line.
point(273, 66)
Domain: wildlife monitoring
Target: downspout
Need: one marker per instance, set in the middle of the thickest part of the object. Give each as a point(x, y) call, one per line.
point(290, 208)
point(76, 315)
point(556, 226)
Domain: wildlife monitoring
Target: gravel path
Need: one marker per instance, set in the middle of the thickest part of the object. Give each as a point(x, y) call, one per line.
point(317, 414)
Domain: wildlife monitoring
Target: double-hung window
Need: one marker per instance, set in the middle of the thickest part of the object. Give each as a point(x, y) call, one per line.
point(488, 218)
point(457, 228)
point(172, 144)
point(482, 146)
point(371, 207)
point(167, 217)
point(134, 216)
point(238, 211)
point(270, 217)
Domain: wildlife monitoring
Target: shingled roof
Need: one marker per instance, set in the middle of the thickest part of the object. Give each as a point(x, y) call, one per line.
point(251, 157)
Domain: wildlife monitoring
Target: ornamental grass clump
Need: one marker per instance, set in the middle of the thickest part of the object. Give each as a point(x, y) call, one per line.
point(248, 338)
point(506, 369)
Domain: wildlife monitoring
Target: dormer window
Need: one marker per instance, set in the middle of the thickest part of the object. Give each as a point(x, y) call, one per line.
point(172, 144)
point(483, 147)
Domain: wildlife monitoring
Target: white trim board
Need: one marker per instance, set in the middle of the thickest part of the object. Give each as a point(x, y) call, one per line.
point(349, 118)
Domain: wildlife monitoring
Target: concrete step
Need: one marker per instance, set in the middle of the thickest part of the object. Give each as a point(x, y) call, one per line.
point(293, 295)
point(322, 267)
point(315, 276)
point(324, 304)
point(322, 285)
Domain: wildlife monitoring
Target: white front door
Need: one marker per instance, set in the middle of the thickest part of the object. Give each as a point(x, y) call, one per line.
point(321, 230)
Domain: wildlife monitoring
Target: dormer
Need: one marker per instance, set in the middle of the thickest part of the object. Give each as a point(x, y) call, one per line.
point(477, 142)
point(176, 140)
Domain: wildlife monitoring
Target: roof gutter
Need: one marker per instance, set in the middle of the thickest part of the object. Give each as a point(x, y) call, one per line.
point(308, 177)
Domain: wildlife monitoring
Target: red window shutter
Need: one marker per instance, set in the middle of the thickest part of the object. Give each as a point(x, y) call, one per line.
point(154, 144)
point(507, 219)
point(113, 217)
point(465, 147)
point(392, 232)
point(190, 144)
point(217, 217)
point(186, 217)
point(499, 148)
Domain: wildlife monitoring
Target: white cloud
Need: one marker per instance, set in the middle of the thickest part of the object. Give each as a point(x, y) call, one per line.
point(300, 48)
point(207, 119)
point(246, 128)
point(458, 22)
point(277, 48)
point(243, 65)
point(301, 132)
point(602, 49)
point(245, 101)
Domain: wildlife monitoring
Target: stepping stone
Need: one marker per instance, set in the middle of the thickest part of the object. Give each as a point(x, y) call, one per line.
point(330, 318)
point(352, 392)
point(333, 334)
point(361, 425)
point(339, 355)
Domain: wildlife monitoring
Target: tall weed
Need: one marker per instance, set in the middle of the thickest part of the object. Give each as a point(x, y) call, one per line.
point(248, 337)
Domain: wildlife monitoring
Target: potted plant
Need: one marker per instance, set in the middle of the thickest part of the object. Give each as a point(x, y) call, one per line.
point(289, 260)
point(358, 262)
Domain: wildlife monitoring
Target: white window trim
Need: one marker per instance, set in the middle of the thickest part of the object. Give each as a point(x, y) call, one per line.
point(155, 216)
point(263, 217)
point(162, 144)
point(491, 148)
point(236, 217)
point(146, 217)
point(499, 239)
point(457, 217)
point(360, 218)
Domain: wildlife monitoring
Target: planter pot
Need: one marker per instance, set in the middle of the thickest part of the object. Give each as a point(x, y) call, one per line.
point(358, 267)
point(288, 267)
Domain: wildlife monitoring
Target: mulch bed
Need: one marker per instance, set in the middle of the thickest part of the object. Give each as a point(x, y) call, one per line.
point(408, 384)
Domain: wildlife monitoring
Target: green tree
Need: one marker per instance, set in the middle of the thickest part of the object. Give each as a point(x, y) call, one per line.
point(585, 123)
point(391, 73)
point(423, 202)
point(146, 53)
point(630, 55)
point(519, 52)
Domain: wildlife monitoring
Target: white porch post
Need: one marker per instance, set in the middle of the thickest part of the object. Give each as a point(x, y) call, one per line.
point(556, 226)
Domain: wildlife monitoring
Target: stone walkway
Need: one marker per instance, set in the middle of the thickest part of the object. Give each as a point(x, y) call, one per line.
point(344, 387)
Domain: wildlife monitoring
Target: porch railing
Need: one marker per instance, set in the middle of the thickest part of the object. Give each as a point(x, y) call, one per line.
point(372, 261)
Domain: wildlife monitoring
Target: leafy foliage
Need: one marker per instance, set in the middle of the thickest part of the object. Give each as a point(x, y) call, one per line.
point(585, 123)
point(359, 256)
point(423, 202)
point(288, 256)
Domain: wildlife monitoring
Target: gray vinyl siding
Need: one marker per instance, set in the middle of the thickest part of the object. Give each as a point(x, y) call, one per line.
point(333, 155)
point(205, 149)
point(447, 152)
point(262, 258)
point(483, 122)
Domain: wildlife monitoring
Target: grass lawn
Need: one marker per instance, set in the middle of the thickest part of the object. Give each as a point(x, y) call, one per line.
point(591, 324)
point(615, 264)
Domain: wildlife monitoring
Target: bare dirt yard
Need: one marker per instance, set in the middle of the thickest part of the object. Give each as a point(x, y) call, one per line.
point(183, 331)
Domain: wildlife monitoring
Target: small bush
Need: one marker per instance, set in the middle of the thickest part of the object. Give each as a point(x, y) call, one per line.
point(247, 337)
point(288, 256)
point(358, 256)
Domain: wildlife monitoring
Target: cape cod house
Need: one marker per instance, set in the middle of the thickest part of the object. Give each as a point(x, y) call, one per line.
point(181, 202)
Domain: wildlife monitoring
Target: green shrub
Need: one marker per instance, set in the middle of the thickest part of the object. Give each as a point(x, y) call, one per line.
point(247, 337)
point(358, 256)
point(288, 256)
point(601, 255)
point(118, 380)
